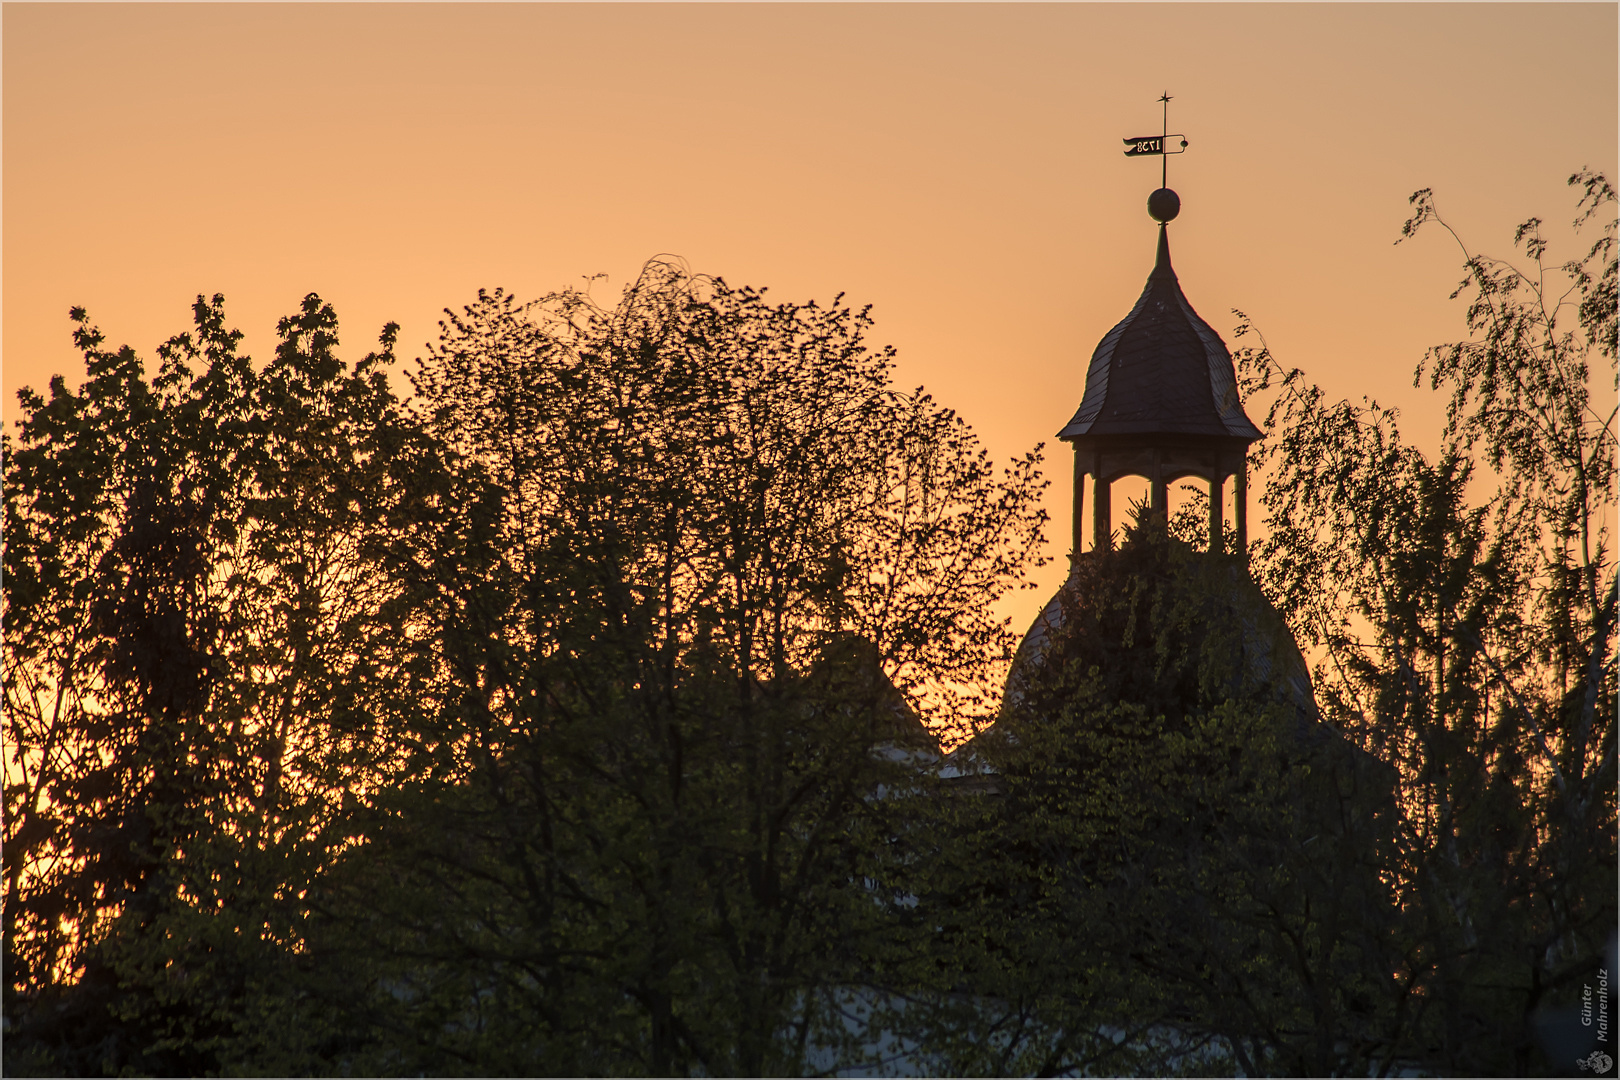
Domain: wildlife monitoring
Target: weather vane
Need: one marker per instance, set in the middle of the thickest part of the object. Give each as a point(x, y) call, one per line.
point(1164, 204)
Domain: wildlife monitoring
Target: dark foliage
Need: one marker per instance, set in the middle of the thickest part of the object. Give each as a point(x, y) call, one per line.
point(581, 715)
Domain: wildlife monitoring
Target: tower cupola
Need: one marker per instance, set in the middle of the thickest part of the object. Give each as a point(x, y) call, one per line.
point(1161, 402)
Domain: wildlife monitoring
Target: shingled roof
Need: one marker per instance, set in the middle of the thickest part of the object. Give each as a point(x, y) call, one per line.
point(1161, 371)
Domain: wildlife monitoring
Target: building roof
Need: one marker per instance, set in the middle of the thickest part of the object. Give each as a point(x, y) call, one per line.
point(1161, 371)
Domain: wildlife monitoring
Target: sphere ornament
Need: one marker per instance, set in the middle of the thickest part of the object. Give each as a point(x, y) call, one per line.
point(1164, 205)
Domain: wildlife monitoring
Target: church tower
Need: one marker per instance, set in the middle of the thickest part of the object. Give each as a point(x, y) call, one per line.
point(1161, 402)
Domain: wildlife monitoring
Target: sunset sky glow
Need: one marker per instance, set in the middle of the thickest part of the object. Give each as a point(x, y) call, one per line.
point(957, 166)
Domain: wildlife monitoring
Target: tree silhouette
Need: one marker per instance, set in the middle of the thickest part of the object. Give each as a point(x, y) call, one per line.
point(1472, 643)
point(585, 712)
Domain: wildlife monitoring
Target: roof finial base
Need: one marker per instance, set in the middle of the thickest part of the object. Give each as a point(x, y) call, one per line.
point(1164, 205)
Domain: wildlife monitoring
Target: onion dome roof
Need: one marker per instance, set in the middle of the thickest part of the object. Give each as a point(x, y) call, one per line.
point(1161, 371)
point(1261, 656)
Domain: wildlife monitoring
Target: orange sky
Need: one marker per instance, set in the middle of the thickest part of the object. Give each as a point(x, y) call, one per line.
point(957, 166)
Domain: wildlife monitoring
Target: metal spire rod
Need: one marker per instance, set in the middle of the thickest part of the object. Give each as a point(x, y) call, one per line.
point(1164, 133)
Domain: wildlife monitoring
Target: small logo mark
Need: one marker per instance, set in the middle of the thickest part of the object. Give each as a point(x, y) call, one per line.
point(1597, 1061)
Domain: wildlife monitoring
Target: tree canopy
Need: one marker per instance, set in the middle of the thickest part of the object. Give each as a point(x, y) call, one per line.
point(560, 683)
point(584, 711)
